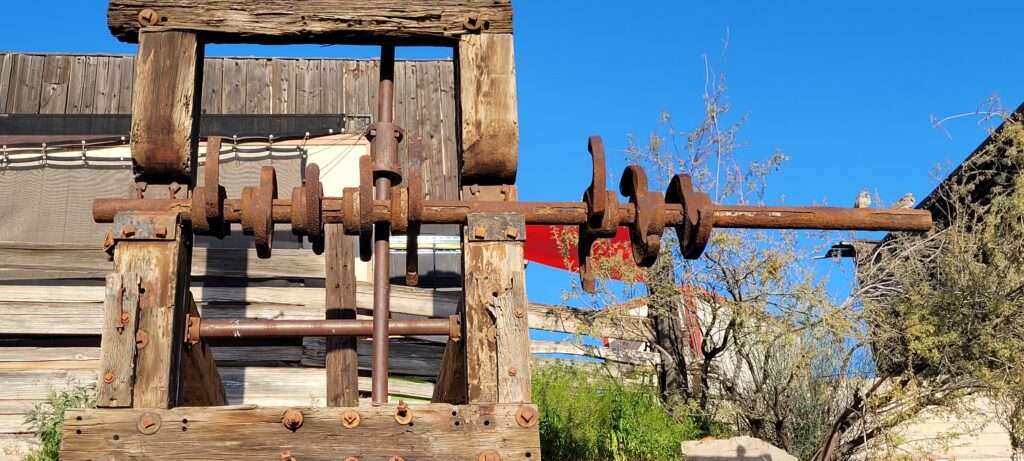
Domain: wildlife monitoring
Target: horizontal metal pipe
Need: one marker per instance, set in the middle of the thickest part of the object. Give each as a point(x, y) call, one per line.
point(572, 213)
point(248, 328)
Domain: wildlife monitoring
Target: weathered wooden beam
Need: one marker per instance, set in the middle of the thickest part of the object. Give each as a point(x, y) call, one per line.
point(165, 106)
point(342, 358)
point(162, 264)
point(487, 97)
point(495, 318)
point(405, 22)
point(118, 343)
point(201, 383)
point(438, 432)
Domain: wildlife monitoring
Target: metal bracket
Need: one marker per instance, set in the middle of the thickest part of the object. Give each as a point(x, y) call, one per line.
point(146, 226)
point(495, 227)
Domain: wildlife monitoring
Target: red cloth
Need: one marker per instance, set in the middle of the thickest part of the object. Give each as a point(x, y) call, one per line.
point(541, 246)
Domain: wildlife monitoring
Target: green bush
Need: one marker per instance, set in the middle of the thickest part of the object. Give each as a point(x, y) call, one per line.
point(593, 416)
point(47, 419)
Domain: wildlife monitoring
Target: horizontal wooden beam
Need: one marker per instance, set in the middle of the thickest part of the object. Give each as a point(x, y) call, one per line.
point(414, 22)
point(438, 432)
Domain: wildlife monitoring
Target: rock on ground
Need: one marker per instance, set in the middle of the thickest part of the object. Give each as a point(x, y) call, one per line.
point(734, 449)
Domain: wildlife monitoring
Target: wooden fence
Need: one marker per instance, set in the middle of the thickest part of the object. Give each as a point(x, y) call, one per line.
point(51, 301)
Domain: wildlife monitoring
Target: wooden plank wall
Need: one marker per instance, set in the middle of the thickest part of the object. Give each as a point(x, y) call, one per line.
point(100, 84)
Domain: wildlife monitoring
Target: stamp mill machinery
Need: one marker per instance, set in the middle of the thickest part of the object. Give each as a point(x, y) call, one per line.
point(159, 394)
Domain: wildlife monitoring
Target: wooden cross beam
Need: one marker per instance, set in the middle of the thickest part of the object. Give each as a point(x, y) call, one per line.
point(437, 432)
point(399, 22)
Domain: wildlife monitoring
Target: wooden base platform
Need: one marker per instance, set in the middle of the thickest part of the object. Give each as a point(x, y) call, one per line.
point(435, 432)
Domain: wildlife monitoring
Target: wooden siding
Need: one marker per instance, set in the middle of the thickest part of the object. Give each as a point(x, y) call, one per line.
point(93, 84)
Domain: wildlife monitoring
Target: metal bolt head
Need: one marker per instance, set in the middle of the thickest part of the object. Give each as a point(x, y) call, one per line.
point(396, 458)
point(148, 17)
point(292, 419)
point(520, 312)
point(526, 416)
point(488, 455)
point(512, 371)
point(148, 423)
point(403, 415)
point(286, 455)
point(108, 377)
point(350, 419)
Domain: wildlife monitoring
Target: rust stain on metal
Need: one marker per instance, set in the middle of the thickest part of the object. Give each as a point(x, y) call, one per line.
point(403, 414)
point(292, 419)
point(149, 423)
point(526, 416)
point(488, 455)
point(350, 419)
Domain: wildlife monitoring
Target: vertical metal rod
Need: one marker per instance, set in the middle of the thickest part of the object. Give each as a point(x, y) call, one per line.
point(381, 245)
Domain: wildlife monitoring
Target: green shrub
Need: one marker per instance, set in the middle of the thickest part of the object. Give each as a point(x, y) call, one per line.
point(587, 415)
point(47, 419)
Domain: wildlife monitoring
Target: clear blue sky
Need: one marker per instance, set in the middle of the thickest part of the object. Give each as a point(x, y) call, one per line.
point(846, 89)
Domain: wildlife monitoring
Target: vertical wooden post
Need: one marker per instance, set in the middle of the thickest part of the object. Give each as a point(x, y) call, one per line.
point(166, 105)
point(486, 77)
point(342, 360)
point(163, 265)
point(158, 247)
point(495, 309)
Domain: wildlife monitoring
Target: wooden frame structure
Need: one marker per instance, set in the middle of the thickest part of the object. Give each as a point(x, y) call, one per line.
point(160, 395)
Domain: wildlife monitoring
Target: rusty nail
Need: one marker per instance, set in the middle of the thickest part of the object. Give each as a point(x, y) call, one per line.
point(511, 232)
point(124, 318)
point(350, 419)
point(148, 423)
point(141, 339)
point(512, 371)
point(128, 230)
point(148, 17)
point(160, 231)
point(292, 419)
point(108, 241)
point(286, 455)
point(520, 312)
point(479, 232)
point(488, 455)
point(396, 458)
point(174, 188)
point(108, 377)
point(526, 416)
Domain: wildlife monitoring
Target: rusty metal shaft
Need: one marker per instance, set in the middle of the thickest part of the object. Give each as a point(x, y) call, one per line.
point(384, 152)
point(249, 328)
point(571, 213)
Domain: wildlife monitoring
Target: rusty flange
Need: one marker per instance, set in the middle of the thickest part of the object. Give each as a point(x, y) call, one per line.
point(698, 217)
point(602, 219)
point(263, 214)
point(306, 208)
point(208, 199)
point(645, 233)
